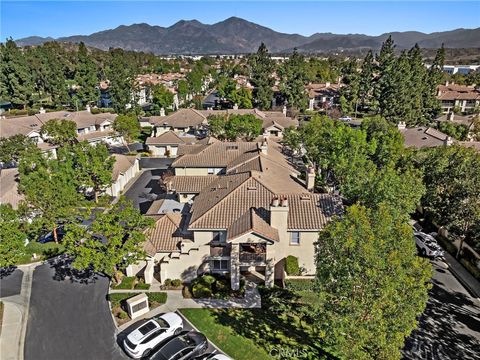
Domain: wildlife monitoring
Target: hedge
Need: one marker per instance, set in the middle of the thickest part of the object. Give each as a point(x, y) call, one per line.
point(291, 265)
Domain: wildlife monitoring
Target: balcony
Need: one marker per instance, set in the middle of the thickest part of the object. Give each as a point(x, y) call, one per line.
point(219, 251)
point(252, 258)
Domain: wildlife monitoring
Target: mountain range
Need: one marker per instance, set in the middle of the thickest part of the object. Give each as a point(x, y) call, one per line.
point(237, 36)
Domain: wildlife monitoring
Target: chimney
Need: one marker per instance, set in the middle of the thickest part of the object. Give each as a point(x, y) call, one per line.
point(327, 84)
point(235, 106)
point(279, 214)
point(41, 111)
point(448, 141)
point(88, 108)
point(264, 146)
point(450, 116)
point(446, 83)
point(401, 125)
point(162, 112)
point(310, 178)
point(284, 110)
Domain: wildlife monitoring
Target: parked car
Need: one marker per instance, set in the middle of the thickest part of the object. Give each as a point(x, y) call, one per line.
point(427, 245)
point(140, 342)
point(187, 345)
point(49, 236)
point(213, 356)
point(345, 118)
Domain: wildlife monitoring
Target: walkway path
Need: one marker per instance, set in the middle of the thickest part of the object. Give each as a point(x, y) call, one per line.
point(15, 316)
point(175, 301)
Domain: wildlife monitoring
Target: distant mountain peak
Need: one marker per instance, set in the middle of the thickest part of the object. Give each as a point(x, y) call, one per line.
point(235, 35)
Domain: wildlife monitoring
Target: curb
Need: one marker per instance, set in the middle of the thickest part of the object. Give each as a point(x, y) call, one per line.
point(464, 283)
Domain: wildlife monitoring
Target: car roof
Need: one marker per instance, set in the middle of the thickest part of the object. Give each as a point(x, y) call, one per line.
point(176, 344)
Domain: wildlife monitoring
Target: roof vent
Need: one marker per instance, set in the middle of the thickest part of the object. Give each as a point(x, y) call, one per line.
point(304, 197)
point(232, 147)
point(251, 188)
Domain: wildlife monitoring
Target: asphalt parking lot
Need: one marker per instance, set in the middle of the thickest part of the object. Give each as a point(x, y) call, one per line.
point(145, 189)
point(69, 319)
point(10, 282)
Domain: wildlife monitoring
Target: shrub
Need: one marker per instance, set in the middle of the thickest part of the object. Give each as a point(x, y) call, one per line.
point(186, 293)
point(157, 297)
point(117, 298)
point(122, 315)
point(176, 283)
point(95, 111)
point(208, 280)
point(127, 283)
point(201, 291)
point(291, 265)
point(142, 286)
point(300, 284)
point(167, 282)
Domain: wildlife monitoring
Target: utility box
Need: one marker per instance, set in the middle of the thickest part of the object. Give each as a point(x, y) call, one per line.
point(137, 305)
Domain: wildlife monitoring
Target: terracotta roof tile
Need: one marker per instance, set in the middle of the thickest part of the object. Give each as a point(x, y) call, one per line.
point(166, 234)
point(122, 164)
point(191, 184)
point(250, 221)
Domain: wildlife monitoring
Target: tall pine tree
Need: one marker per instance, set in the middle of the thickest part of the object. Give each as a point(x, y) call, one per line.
point(366, 81)
point(261, 68)
point(85, 77)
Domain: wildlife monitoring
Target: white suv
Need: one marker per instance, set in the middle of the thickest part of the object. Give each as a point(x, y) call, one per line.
point(140, 341)
point(427, 245)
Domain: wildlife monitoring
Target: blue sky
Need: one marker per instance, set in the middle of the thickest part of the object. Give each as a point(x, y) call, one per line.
point(63, 18)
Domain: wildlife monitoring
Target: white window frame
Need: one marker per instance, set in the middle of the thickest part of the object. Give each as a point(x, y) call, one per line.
point(295, 237)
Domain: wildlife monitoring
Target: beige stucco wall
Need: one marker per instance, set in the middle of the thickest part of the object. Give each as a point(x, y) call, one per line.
point(191, 171)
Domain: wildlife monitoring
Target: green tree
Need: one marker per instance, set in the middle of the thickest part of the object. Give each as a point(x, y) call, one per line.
point(232, 127)
point(217, 125)
point(16, 83)
point(261, 75)
point(182, 88)
point(434, 77)
point(50, 187)
point(121, 74)
point(12, 237)
point(94, 166)
point(371, 284)
point(349, 93)
point(162, 97)
point(12, 148)
point(452, 178)
point(292, 139)
point(85, 77)
point(366, 81)
point(112, 242)
point(293, 77)
point(128, 127)
point(242, 97)
point(385, 84)
point(59, 131)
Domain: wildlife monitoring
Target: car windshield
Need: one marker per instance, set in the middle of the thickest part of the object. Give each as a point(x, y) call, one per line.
point(145, 329)
point(163, 324)
point(187, 340)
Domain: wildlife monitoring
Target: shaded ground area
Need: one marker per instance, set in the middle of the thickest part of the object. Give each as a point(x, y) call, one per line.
point(450, 326)
point(69, 319)
point(10, 282)
point(145, 190)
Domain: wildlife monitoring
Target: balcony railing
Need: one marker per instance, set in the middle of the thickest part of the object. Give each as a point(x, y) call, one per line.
point(219, 251)
point(246, 257)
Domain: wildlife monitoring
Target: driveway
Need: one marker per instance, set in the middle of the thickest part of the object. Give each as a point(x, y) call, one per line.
point(10, 282)
point(145, 189)
point(449, 328)
point(69, 319)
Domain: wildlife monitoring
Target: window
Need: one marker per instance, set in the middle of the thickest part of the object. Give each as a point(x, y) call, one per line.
point(295, 238)
point(220, 265)
point(218, 236)
point(211, 171)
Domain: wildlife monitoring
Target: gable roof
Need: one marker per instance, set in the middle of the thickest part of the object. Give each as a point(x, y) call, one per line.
point(217, 154)
point(167, 138)
point(251, 222)
point(165, 236)
point(9, 187)
point(122, 164)
point(190, 184)
point(179, 119)
point(423, 137)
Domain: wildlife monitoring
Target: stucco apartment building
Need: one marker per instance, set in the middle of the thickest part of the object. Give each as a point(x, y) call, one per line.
point(241, 209)
point(93, 128)
point(180, 127)
point(451, 96)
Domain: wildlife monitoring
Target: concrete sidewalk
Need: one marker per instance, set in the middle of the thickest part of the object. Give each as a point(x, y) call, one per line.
point(469, 282)
point(175, 301)
point(15, 317)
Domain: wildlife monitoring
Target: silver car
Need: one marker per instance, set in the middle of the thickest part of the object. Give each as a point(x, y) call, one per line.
point(427, 245)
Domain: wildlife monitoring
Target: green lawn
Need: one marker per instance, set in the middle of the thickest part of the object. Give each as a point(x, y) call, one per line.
point(233, 344)
point(43, 251)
